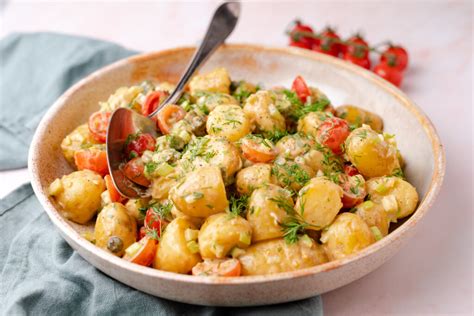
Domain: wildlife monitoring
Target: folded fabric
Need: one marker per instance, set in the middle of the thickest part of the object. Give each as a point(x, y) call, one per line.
point(40, 273)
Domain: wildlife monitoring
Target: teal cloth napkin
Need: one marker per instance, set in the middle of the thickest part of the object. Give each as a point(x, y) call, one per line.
point(40, 273)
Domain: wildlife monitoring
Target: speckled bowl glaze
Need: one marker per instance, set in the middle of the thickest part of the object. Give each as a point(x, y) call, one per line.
point(342, 82)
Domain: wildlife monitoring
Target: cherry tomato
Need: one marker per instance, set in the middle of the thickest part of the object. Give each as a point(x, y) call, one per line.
point(115, 196)
point(350, 170)
point(92, 159)
point(395, 56)
point(141, 232)
point(138, 144)
point(142, 252)
point(353, 188)
point(329, 44)
point(98, 123)
point(152, 102)
point(218, 267)
point(153, 221)
point(301, 41)
point(169, 115)
point(258, 149)
point(389, 73)
point(332, 133)
point(301, 88)
point(134, 169)
point(357, 52)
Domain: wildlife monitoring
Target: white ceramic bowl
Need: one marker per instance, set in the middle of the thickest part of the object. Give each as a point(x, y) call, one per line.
point(342, 82)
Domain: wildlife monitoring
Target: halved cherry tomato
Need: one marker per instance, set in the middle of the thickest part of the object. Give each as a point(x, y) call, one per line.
point(301, 88)
point(389, 73)
point(350, 170)
point(396, 57)
point(134, 171)
point(142, 252)
point(353, 188)
point(152, 101)
point(329, 44)
point(92, 159)
point(332, 133)
point(138, 143)
point(169, 115)
point(301, 41)
point(258, 149)
point(218, 267)
point(115, 196)
point(153, 221)
point(98, 123)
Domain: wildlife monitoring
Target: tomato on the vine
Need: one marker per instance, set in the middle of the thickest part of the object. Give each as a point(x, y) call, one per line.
point(396, 57)
point(356, 51)
point(389, 73)
point(329, 43)
point(301, 41)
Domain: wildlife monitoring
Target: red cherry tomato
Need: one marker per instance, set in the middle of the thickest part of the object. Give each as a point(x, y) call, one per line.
point(142, 252)
point(98, 123)
point(92, 159)
point(134, 169)
point(350, 170)
point(357, 52)
point(168, 116)
point(353, 188)
point(332, 133)
point(138, 144)
point(395, 56)
point(153, 221)
point(301, 41)
point(141, 232)
point(152, 101)
point(329, 44)
point(389, 73)
point(114, 194)
point(301, 88)
point(258, 150)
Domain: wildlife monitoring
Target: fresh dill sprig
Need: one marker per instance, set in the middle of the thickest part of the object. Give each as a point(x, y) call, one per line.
point(238, 205)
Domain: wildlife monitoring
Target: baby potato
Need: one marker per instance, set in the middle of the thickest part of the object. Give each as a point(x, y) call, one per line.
point(253, 177)
point(196, 221)
point(214, 151)
point(276, 255)
point(79, 138)
point(268, 207)
point(398, 197)
point(217, 80)
point(78, 194)
point(262, 110)
point(321, 158)
point(319, 202)
point(292, 146)
point(133, 207)
point(357, 116)
point(346, 235)
point(161, 186)
point(374, 215)
point(308, 124)
point(208, 101)
point(122, 97)
point(370, 153)
point(221, 232)
point(115, 230)
point(174, 252)
point(290, 174)
point(229, 121)
point(201, 194)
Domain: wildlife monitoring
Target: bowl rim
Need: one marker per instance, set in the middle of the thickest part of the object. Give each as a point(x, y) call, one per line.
point(424, 205)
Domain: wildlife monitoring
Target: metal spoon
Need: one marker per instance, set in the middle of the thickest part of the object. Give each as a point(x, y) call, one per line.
point(124, 122)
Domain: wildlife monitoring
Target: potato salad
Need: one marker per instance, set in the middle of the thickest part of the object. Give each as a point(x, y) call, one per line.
point(243, 180)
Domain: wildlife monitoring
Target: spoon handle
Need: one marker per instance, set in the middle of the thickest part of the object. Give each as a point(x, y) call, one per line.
point(222, 24)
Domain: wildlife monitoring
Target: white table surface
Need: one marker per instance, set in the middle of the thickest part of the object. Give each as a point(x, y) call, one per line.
point(434, 273)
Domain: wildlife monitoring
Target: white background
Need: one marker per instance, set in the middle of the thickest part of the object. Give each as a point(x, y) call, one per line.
point(432, 274)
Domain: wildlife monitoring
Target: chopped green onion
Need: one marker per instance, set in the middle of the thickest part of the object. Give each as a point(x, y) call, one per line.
point(191, 234)
point(376, 231)
point(163, 169)
point(245, 238)
point(236, 252)
point(306, 240)
point(193, 246)
point(368, 204)
point(132, 250)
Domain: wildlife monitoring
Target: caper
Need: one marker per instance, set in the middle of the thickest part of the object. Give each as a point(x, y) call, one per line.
point(115, 244)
